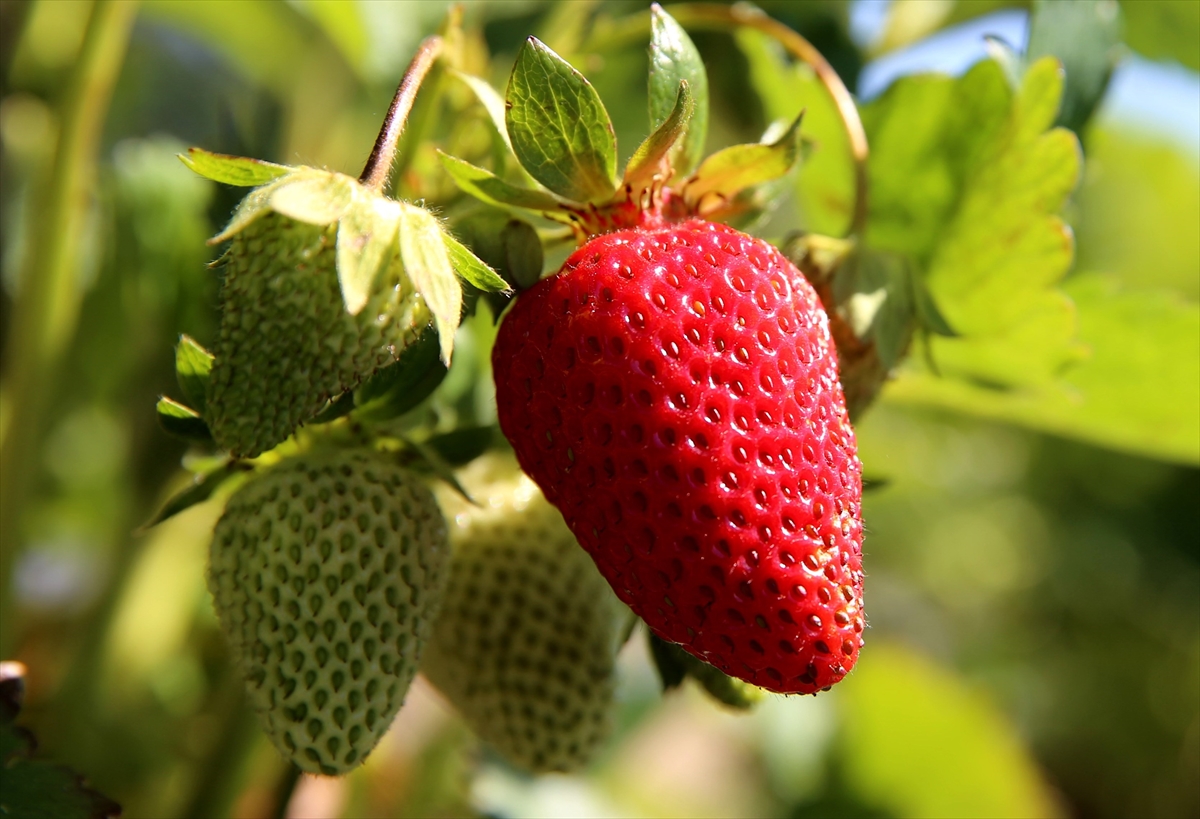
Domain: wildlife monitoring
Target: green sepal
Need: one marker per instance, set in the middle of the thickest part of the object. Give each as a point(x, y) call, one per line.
point(674, 59)
point(510, 246)
point(366, 237)
point(193, 364)
point(667, 661)
point(560, 131)
point(652, 159)
point(928, 314)
point(433, 461)
point(313, 196)
point(471, 269)
point(239, 171)
point(182, 421)
point(202, 488)
point(880, 306)
point(428, 266)
point(339, 407)
point(463, 445)
point(486, 186)
point(674, 664)
point(728, 172)
point(255, 204)
point(399, 387)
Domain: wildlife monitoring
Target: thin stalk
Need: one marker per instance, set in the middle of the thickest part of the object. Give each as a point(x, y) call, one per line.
point(284, 790)
point(379, 164)
point(47, 302)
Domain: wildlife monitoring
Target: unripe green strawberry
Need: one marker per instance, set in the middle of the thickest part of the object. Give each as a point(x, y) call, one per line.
point(526, 643)
point(326, 573)
point(287, 342)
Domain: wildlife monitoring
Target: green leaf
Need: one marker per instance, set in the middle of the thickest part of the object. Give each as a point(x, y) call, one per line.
point(919, 741)
point(182, 421)
point(723, 175)
point(314, 197)
point(34, 788)
point(651, 160)
point(559, 129)
point(232, 170)
point(674, 664)
point(202, 489)
point(488, 187)
point(881, 308)
point(193, 364)
point(471, 269)
point(491, 101)
point(966, 182)
point(1137, 391)
point(366, 237)
point(428, 265)
point(438, 466)
point(674, 59)
point(825, 188)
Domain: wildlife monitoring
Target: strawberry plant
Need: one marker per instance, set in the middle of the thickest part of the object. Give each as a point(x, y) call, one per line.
point(553, 432)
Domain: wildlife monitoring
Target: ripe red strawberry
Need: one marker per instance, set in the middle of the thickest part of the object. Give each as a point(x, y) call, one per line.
point(674, 392)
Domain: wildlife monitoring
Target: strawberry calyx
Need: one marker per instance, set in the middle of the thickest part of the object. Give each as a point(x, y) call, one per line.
point(564, 144)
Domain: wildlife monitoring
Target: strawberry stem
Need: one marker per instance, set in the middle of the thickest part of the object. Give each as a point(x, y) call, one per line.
point(379, 164)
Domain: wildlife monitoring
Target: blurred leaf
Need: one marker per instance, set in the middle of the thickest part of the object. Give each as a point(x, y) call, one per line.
point(182, 421)
point(650, 160)
point(1085, 35)
point(366, 242)
point(725, 174)
point(825, 186)
point(193, 364)
point(674, 664)
point(492, 102)
point(1164, 29)
point(313, 196)
point(485, 185)
point(34, 789)
point(911, 20)
point(263, 39)
point(232, 170)
point(202, 488)
point(471, 268)
point(1139, 389)
point(919, 742)
point(343, 23)
point(674, 59)
point(668, 661)
point(1137, 212)
point(559, 129)
point(428, 265)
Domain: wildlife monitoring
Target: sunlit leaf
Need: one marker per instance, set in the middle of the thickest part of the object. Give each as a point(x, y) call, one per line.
point(1164, 30)
point(428, 265)
point(366, 237)
point(1138, 390)
point(193, 364)
point(182, 421)
point(651, 159)
point(728, 172)
point(471, 269)
point(559, 129)
point(918, 741)
point(232, 170)
point(674, 59)
point(486, 186)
